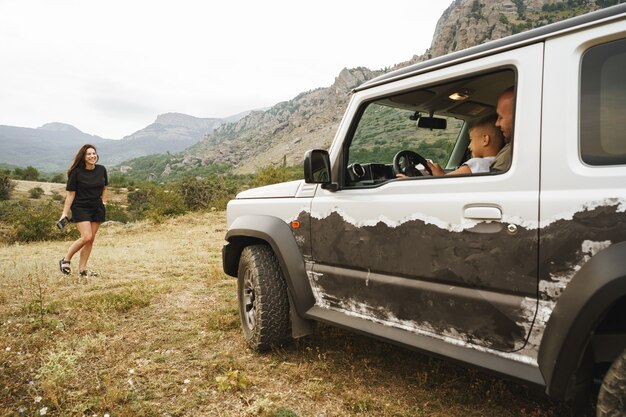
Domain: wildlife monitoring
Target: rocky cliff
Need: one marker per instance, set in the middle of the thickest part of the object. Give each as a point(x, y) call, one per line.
point(472, 22)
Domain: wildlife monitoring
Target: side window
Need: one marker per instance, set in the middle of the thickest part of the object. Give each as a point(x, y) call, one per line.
point(603, 104)
point(436, 123)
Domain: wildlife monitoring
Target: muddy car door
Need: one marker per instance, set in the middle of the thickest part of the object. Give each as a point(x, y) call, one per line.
point(452, 257)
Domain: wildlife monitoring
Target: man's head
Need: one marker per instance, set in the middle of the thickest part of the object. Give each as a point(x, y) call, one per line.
point(485, 138)
point(504, 109)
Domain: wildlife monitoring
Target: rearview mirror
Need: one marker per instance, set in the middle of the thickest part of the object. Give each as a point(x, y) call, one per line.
point(432, 123)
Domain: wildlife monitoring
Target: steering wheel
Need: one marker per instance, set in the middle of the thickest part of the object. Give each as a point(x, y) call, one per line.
point(404, 162)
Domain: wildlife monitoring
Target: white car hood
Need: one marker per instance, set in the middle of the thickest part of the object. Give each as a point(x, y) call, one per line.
point(283, 189)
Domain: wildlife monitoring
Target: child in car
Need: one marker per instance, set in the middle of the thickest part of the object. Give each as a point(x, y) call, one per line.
point(485, 142)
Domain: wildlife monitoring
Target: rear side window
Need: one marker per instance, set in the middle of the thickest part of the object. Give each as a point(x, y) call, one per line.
point(603, 104)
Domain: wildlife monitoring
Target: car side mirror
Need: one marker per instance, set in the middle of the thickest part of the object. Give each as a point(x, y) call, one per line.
point(317, 167)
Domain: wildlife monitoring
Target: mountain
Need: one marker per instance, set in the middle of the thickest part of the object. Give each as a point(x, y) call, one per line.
point(284, 132)
point(49, 147)
point(170, 132)
point(52, 146)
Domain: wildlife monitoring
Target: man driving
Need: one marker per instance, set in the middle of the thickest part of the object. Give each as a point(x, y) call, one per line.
point(504, 109)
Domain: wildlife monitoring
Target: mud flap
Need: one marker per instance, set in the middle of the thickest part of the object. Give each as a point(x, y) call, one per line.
point(299, 327)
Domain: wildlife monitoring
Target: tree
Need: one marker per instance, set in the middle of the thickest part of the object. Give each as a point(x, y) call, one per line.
point(58, 178)
point(30, 173)
point(6, 187)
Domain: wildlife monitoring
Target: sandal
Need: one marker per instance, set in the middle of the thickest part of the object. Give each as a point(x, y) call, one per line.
point(87, 273)
point(64, 266)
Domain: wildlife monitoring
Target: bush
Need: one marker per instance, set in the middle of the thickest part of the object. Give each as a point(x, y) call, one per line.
point(117, 213)
point(6, 187)
point(56, 196)
point(164, 203)
point(138, 202)
point(223, 191)
point(154, 202)
point(28, 221)
point(36, 192)
point(196, 193)
point(273, 175)
point(59, 178)
point(202, 194)
point(120, 180)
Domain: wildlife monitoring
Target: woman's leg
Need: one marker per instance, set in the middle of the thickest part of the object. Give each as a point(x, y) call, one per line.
point(86, 236)
point(86, 251)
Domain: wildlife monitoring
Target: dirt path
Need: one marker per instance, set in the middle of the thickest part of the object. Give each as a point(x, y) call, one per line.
point(48, 187)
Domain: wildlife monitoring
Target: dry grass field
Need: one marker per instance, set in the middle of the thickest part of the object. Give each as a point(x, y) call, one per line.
point(157, 334)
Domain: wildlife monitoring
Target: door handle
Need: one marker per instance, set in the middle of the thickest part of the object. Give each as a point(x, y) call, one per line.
point(482, 213)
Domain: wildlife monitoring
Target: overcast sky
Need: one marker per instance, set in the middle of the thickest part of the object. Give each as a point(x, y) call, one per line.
point(110, 67)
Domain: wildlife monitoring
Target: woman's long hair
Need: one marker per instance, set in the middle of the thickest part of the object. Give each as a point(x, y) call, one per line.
point(79, 159)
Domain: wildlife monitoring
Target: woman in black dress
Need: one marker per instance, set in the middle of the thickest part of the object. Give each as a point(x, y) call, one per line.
point(86, 197)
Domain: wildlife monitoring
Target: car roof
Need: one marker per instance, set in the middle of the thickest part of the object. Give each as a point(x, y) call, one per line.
point(500, 45)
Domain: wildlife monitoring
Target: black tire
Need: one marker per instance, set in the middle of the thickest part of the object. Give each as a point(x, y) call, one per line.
point(612, 396)
point(263, 299)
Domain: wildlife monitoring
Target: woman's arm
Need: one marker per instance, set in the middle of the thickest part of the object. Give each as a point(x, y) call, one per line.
point(104, 194)
point(69, 199)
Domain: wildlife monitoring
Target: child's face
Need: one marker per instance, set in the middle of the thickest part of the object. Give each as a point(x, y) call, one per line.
point(475, 136)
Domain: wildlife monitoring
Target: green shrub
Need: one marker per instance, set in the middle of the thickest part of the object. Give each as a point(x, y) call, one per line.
point(120, 180)
point(28, 221)
point(6, 187)
point(36, 192)
point(196, 193)
point(117, 213)
point(59, 178)
point(273, 175)
point(164, 203)
point(202, 194)
point(224, 190)
point(37, 227)
point(138, 202)
point(56, 196)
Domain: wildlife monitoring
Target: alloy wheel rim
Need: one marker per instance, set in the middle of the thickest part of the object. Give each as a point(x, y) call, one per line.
point(249, 301)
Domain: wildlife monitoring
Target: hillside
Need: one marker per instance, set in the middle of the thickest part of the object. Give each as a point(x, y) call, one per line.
point(170, 132)
point(284, 132)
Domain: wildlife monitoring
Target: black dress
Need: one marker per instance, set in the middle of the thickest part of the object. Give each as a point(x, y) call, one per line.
point(88, 185)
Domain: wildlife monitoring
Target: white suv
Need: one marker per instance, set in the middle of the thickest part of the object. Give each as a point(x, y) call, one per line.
point(521, 272)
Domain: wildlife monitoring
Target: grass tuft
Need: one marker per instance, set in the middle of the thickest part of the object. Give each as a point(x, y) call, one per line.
point(232, 380)
point(116, 301)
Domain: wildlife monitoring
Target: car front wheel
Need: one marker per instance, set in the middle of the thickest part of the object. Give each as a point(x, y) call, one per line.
point(263, 299)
